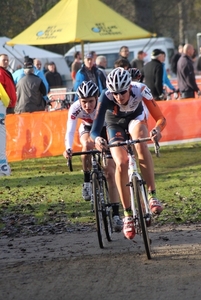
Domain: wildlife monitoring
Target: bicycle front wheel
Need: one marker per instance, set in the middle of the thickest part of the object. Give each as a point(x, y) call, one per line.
point(106, 210)
point(98, 209)
point(140, 201)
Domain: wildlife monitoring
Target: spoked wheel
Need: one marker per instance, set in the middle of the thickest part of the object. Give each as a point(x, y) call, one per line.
point(142, 215)
point(98, 209)
point(107, 213)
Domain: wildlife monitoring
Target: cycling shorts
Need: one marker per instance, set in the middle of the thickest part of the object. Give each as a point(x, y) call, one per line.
point(87, 128)
point(118, 126)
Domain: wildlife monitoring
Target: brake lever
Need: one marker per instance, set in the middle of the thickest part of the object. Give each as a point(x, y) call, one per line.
point(69, 160)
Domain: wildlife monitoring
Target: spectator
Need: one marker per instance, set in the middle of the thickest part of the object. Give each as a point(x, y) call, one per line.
point(198, 67)
point(123, 63)
point(18, 67)
point(53, 77)
point(7, 82)
point(194, 59)
point(138, 62)
point(30, 91)
point(94, 56)
point(45, 68)
point(18, 74)
point(186, 75)
point(4, 166)
point(101, 64)
point(152, 72)
point(76, 65)
point(37, 63)
point(88, 72)
point(166, 81)
point(124, 53)
point(175, 59)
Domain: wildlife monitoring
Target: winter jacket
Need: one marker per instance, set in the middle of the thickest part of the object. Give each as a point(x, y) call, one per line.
point(6, 80)
point(82, 75)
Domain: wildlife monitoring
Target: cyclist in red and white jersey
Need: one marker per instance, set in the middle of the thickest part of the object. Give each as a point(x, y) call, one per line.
point(85, 110)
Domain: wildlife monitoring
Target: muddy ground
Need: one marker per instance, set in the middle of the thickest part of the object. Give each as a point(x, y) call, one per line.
point(72, 266)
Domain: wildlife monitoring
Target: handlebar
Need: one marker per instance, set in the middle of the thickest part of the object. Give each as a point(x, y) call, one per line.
point(89, 152)
point(118, 144)
point(156, 148)
point(69, 164)
point(132, 142)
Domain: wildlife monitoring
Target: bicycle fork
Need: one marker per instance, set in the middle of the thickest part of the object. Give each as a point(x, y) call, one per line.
point(147, 214)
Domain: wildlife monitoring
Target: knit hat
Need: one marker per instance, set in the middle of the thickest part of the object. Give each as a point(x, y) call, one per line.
point(156, 53)
point(28, 62)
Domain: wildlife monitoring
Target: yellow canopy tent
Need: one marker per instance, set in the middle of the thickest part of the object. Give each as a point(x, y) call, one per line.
point(79, 21)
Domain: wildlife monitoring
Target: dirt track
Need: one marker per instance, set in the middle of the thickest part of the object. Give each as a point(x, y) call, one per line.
point(71, 266)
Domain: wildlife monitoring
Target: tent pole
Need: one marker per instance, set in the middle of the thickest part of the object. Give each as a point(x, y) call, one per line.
point(82, 47)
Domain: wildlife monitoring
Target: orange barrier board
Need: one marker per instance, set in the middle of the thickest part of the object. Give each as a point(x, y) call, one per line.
point(41, 134)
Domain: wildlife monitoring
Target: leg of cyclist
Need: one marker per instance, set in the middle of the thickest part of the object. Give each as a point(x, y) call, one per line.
point(120, 156)
point(86, 162)
point(139, 129)
point(113, 194)
point(112, 188)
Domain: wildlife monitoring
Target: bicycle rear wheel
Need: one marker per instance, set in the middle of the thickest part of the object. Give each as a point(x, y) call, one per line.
point(107, 214)
point(98, 209)
point(142, 215)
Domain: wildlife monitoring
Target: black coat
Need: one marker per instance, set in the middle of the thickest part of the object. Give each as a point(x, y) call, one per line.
point(185, 75)
point(153, 75)
point(174, 61)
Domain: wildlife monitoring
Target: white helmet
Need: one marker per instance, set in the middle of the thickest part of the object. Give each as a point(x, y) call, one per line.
point(118, 80)
point(87, 89)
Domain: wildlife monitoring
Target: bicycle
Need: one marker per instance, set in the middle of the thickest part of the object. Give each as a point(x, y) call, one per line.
point(62, 101)
point(139, 201)
point(173, 95)
point(100, 202)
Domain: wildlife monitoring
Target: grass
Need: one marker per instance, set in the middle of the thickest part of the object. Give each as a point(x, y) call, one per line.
point(178, 179)
point(45, 190)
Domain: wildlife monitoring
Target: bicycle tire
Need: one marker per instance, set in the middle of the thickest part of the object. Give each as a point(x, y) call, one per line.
point(98, 209)
point(107, 213)
point(141, 207)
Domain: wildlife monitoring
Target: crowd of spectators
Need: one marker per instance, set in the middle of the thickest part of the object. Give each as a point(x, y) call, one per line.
point(184, 66)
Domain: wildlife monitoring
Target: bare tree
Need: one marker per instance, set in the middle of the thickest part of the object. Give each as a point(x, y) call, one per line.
point(181, 22)
point(143, 14)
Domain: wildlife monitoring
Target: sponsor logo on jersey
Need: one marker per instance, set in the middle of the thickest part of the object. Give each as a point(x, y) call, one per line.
point(75, 114)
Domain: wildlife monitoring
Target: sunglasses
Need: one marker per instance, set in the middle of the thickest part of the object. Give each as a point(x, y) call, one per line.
point(120, 93)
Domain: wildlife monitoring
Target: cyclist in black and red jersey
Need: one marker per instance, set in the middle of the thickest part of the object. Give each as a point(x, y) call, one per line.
point(121, 107)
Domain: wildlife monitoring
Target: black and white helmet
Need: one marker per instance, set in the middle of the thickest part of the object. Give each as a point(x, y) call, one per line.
point(118, 80)
point(135, 73)
point(87, 89)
